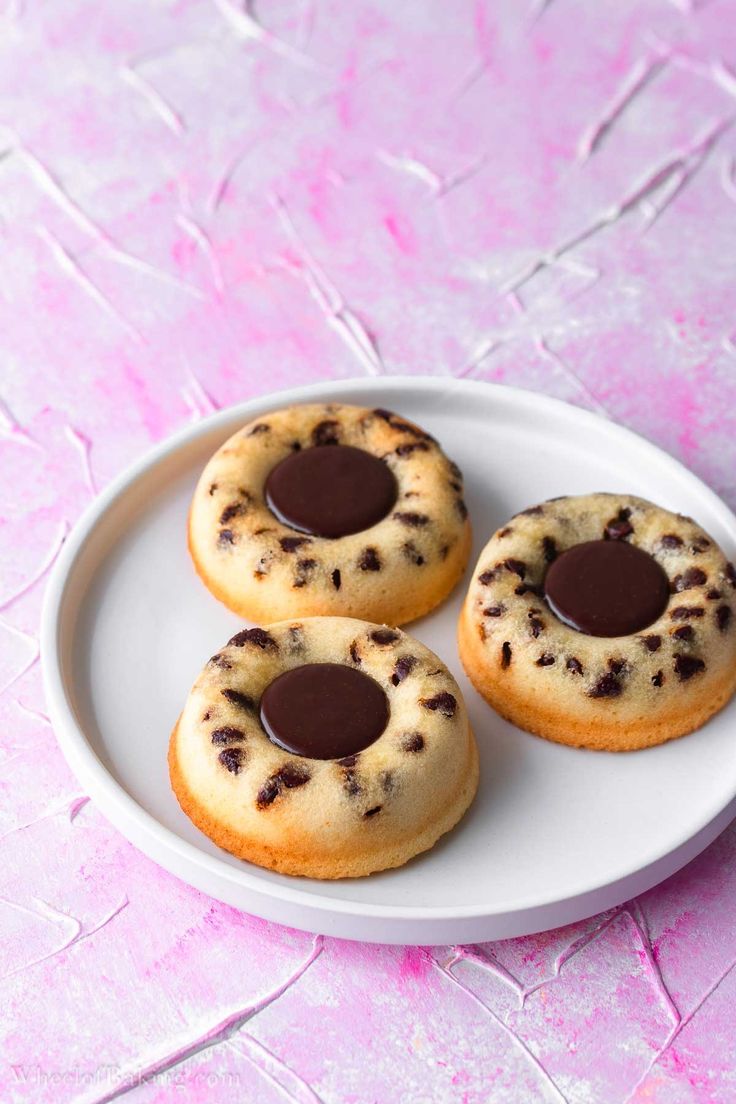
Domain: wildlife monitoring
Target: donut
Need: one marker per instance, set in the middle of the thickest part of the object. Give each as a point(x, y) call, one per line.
point(330, 510)
point(325, 747)
point(601, 621)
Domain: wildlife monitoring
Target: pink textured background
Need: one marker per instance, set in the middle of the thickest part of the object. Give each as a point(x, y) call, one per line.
point(201, 202)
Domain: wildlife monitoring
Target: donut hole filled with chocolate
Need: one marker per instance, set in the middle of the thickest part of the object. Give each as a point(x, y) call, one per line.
point(331, 491)
point(324, 710)
point(606, 588)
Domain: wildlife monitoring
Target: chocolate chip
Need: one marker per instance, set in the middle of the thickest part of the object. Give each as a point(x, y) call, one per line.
point(685, 632)
point(573, 664)
point(652, 643)
point(372, 812)
point(348, 761)
point(607, 686)
point(350, 782)
point(396, 422)
point(518, 567)
point(206, 716)
point(529, 588)
point(304, 569)
point(414, 521)
point(336, 578)
point(354, 652)
point(494, 611)
point(443, 551)
point(384, 636)
point(287, 777)
point(236, 698)
point(413, 742)
point(369, 560)
point(713, 595)
point(415, 446)
point(658, 679)
point(617, 666)
point(723, 617)
point(232, 759)
point(212, 488)
point(259, 637)
point(535, 626)
point(227, 735)
point(505, 654)
point(403, 667)
point(545, 660)
point(226, 537)
point(687, 666)
point(235, 509)
point(549, 549)
point(505, 532)
point(443, 703)
point(456, 471)
point(291, 544)
point(531, 511)
point(683, 613)
point(670, 540)
point(699, 545)
point(461, 508)
point(455, 486)
point(412, 553)
point(619, 528)
point(731, 574)
point(296, 638)
point(693, 577)
point(326, 433)
point(486, 577)
point(386, 778)
point(220, 661)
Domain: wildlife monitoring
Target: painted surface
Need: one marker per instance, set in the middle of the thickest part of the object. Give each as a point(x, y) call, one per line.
point(201, 202)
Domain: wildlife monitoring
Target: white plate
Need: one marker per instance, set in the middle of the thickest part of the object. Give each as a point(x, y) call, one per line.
point(555, 834)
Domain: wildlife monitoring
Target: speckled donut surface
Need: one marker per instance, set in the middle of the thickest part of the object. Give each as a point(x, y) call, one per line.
point(394, 571)
point(324, 818)
point(615, 693)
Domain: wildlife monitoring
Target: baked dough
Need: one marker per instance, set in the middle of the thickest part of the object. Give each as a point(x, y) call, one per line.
point(615, 693)
point(324, 818)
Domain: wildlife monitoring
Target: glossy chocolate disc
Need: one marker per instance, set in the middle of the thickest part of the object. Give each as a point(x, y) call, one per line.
point(324, 710)
point(331, 491)
point(606, 588)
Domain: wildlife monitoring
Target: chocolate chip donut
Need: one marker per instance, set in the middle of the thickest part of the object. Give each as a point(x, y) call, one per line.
point(330, 509)
point(327, 747)
point(602, 621)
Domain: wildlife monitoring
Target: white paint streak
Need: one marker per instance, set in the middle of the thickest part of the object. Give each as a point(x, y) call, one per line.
point(77, 933)
point(83, 446)
point(200, 237)
point(679, 1026)
point(634, 83)
point(274, 1069)
point(686, 162)
point(53, 552)
point(218, 1033)
point(71, 268)
point(517, 1041)
point(33, 656)
point(572, 377)
point(242, 20)
point(12, 430)
point(339, 315)
point(155, 100)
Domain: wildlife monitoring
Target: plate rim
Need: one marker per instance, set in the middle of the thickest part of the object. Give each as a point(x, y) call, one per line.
point(111, 794)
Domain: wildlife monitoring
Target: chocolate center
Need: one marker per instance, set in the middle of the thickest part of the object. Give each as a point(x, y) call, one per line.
point(324, 710)
point(331, 491)
point(606, 588)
